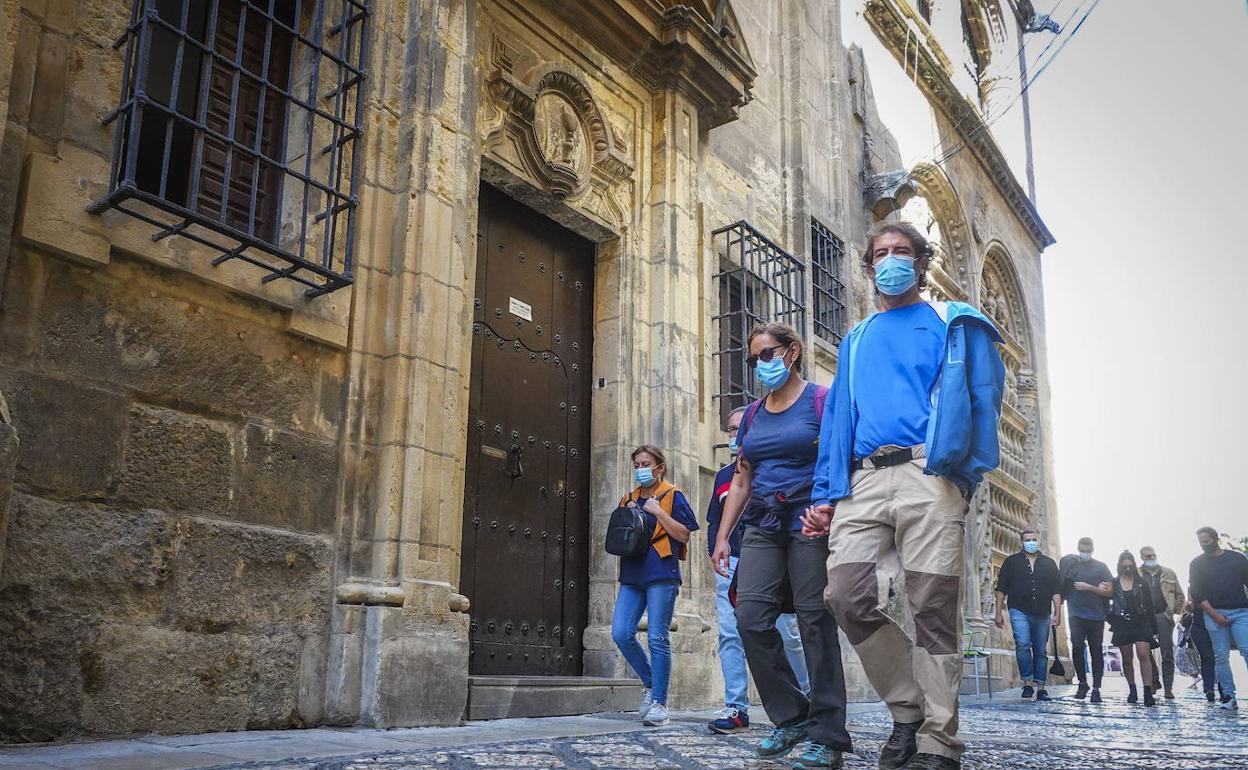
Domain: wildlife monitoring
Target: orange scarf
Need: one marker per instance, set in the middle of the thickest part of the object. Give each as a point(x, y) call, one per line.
point(660, 541)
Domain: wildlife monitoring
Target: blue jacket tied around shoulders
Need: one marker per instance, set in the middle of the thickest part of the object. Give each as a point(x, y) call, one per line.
point(961, 442)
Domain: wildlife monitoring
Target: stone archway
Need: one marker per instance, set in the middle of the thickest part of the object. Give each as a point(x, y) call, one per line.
point(950, 276)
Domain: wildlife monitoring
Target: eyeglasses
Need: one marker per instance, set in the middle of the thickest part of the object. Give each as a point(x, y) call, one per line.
point(765, 356)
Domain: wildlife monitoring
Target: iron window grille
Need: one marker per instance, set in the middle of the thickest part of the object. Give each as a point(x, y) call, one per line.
point(237, 129)
point(758, 283)
point(827, 263)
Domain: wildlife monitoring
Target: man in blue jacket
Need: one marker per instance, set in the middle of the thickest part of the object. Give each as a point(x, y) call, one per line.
point(910, 429)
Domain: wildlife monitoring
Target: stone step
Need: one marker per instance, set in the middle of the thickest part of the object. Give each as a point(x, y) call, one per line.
point(503, 697)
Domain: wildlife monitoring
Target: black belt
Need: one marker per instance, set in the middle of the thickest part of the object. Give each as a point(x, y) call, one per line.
point(885, 460)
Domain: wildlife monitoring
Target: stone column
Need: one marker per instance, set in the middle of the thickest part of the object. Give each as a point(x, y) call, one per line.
point(399, 644)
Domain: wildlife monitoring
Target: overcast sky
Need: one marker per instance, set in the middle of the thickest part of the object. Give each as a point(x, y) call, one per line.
point(1140, 134)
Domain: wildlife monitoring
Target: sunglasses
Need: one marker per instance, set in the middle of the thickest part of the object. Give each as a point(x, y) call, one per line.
point(765, 356)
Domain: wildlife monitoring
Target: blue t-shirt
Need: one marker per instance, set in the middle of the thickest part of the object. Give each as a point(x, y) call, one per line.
point(782, 449)
point(1086, 605)
point(653, 568)
point(715, 509)
point(895, 366)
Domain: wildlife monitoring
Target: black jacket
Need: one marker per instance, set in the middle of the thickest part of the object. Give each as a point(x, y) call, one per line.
point(1029, 591)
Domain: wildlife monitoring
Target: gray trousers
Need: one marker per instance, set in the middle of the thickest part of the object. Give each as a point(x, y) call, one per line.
point(1165, 630)
point(768, 562)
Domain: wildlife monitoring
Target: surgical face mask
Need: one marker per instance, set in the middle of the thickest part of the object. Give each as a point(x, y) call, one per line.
point(894, 275)
point(1209, 547)
point(1126, 568)
point(1150, 563)
point(1085, 556)
point(644, 476)
point(732, 444)
point(771, 374)
point(1031, 546)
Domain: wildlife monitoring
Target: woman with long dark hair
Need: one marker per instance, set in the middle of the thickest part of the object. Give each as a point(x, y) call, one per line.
point(778, 443)
point(1134, 624)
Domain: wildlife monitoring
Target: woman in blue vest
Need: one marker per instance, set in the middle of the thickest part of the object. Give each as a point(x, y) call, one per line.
point(778, 444)
point(650, 582)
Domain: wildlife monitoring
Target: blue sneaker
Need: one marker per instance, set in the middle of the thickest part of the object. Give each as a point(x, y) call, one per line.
point(730, 720)
point(782, 740)
point(816, 756)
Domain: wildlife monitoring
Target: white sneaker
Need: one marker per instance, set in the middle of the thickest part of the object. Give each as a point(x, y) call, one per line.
point(1230, 704)
point(647, 700)
point(656, 716)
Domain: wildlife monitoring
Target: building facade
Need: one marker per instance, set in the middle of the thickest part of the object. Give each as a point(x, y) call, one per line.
point(327, 328)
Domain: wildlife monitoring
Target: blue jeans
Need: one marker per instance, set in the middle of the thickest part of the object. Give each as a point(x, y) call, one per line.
point(1031, 639)
point(732, 653)
point(658, 601)
point(1221, 638)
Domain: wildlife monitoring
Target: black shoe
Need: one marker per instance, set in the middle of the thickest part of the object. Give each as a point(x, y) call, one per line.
point(932, 762)
point(1028, 691)
point(1081, 692)
point(1096, 696)
point(900, 747)
point(1149, 700)
point(1133, 696)
point(1043, 694)
point(1209, 696)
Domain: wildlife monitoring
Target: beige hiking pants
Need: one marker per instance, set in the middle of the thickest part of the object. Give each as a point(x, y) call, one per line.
point(898, 518)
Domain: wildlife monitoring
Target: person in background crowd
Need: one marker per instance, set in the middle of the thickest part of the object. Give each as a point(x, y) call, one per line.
point(910, 431)
point(1133, 620)
point(735, 716)
point(1168, 600)
point(650, 583)
point(1030, 582)
point(779, 441)
point(1204, 648)
point(1087, 586)
point(1219, 585)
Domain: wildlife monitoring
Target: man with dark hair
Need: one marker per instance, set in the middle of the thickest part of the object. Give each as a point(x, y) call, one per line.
point(1087, 585)
point(1030, 582)
point(1220, 587)
point(909, 430)
point(1168, 600)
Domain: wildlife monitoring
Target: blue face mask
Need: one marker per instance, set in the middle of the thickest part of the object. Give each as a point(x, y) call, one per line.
point(1085, 556)
point(894, 275)
point(1031, 546)
point(644, 476)
point(732, 444)
point(771, 374)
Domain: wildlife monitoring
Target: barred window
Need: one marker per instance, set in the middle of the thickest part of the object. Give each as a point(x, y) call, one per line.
point(237, 129)
point(758, 283)
point(827, 263)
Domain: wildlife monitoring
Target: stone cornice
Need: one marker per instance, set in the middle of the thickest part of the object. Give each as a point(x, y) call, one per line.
point(895, 27)
point(691, 47)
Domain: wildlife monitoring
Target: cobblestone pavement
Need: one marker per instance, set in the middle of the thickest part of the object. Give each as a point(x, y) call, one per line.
point(1005, 733)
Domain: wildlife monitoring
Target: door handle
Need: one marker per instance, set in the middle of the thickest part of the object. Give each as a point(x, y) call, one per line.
point(515, 468)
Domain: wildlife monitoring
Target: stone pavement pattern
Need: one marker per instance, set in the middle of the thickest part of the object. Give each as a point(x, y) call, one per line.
point(1002, 733)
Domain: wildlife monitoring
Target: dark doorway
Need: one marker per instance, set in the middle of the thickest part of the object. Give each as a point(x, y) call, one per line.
point(526, 495)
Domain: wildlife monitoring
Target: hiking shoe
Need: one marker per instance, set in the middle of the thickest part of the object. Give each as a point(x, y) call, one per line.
point(1096, 696)
point(1169, 694)
point(1081, 691)
point(730, 720)
point(656, 716)
point(815, 755)
point(1028, 691)
point(900, 747)
point(1209, 696)
point(1149, 699)
point(933, 762)
point(647, 700)
point(1043, 694)
point(1230, 704)
point(782, 740)
point(1132, 695)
